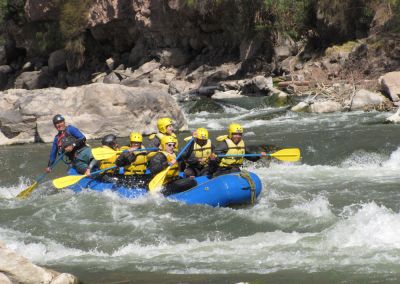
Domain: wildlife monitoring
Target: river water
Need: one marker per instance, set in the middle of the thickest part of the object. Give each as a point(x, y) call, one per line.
point(333, 217)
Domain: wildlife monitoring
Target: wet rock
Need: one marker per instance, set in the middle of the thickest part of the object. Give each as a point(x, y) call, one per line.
point(325, 107)
point(231, 94)
point(395, 118)
point(301, 107)
point(205, 105)
point(317, 107)
point(20, 270)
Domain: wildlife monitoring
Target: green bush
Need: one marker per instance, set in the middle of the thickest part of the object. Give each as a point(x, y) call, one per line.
point(73, 17)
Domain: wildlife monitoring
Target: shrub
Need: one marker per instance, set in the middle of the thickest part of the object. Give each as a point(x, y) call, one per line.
point(73, 17)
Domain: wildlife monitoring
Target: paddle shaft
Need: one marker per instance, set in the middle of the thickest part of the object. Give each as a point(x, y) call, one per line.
point(137, 150)
point(241, 155)
point(184, 148)
point(41, 177)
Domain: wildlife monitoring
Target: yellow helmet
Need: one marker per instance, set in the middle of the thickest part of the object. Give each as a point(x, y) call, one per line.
point(234, 128)
point(136, 137)
point(163, 123)
point(202, 133)
point(167, 139)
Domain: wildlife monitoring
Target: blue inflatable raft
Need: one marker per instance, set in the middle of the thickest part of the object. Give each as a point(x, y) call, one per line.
point(227, 190)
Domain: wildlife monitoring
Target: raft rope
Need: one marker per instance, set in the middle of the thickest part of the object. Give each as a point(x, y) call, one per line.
point(246, 175)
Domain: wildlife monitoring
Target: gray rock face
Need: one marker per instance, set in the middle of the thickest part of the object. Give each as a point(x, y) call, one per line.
point(96, 109)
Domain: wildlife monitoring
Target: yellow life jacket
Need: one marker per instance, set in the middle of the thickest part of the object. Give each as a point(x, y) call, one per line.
point(233, 149)
point(173, 172)
point(110, 162)
point(161, 135)
point(139, 166)
point(202, 152)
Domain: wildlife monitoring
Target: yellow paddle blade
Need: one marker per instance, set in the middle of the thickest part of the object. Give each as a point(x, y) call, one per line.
point(26, 192)
point(104, 153)
point(66, 181)
point(289, 155)
point(157, 182)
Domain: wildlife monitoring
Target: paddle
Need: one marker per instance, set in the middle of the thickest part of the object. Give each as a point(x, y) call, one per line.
point(157, 181)
point(288, 155)
point(62, 182)
point(26, 192)
point(106, 153)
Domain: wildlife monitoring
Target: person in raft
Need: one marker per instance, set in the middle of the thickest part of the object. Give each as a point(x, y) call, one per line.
point(165, 127)
point(109, 142)
point(80, 155)
point(173, 183)
point(231, 144)
point(197, 155)
point(134, 162)
point(63, 131)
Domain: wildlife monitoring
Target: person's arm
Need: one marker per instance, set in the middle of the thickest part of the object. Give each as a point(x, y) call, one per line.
point(83, 160)
point(253, 159)
point(189, 157)
point(75, 132)
point(53, 155)
point(158, 163)
point(154, 143)
point(125, 159)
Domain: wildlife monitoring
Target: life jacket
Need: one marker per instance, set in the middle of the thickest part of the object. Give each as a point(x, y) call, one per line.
point(233, 149)
point(60, 137)
point(161, 135)
point(110, 162)
point(139, 166)
point(173, 172)
point(202, 152)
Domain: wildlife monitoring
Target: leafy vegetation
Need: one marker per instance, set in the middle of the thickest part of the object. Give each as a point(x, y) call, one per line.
point(73, 17)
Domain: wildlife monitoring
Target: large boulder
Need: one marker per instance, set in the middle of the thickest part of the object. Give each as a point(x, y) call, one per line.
point(390, 84)
point(32, 80)
point(18, 269)
point(365, 99)
point(57, 61)
point(96, 109)
point(317, 107)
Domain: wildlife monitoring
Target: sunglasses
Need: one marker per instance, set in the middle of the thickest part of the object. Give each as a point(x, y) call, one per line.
point(171, 144)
